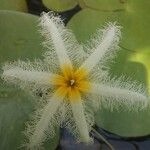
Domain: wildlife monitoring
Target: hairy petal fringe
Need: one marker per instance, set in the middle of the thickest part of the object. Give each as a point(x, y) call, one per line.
point(65, 40)
point(14, 74)
point(52, 27)
point(109, 42)
point(131, 96)
point(31, 76)
point(40, 126)
point(71, 124)
point(79, 117)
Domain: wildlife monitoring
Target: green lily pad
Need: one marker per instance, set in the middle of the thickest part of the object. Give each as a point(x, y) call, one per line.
point(18, 5)
point(86, 22)
point(60, 5)
point(107, 5)
point(19, 40)
point(121, 122)
point(15, 106)
point(135, 21)
point(19, 36)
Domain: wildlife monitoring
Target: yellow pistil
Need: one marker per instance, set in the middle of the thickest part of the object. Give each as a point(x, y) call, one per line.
point(72, 82)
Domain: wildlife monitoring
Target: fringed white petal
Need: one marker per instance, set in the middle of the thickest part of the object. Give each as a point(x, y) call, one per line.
point(39, 135)
point(109, 41)
point(130, 97)
point(38, 77)
point(79, 118)
point(52, 30)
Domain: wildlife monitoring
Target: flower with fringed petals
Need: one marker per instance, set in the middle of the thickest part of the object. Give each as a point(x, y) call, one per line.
point(74, 81)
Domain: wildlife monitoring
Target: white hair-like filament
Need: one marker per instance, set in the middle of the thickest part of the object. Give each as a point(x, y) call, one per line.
point(131, 97)
point(108, 43)
point(51, 28)
point(79, 118)
point(39, 135)
point(38, 77)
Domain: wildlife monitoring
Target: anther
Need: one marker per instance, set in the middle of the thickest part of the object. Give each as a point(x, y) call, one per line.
point(72, 82)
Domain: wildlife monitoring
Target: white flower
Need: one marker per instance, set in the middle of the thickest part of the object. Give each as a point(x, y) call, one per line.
point(73, 80)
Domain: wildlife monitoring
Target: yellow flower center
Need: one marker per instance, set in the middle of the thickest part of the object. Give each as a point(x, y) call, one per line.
point(72, 82)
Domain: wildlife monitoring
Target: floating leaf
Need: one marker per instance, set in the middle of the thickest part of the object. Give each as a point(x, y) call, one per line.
point(103, 5)
point(18, 5)
point(60, 5)
point(135, 21)
point(19, 40)
point(86, 22)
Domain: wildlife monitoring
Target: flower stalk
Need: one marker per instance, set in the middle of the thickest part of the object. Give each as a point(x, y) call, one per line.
point(103, 139)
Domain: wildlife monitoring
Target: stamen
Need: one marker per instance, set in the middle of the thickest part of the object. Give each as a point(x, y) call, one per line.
point(72, 82)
